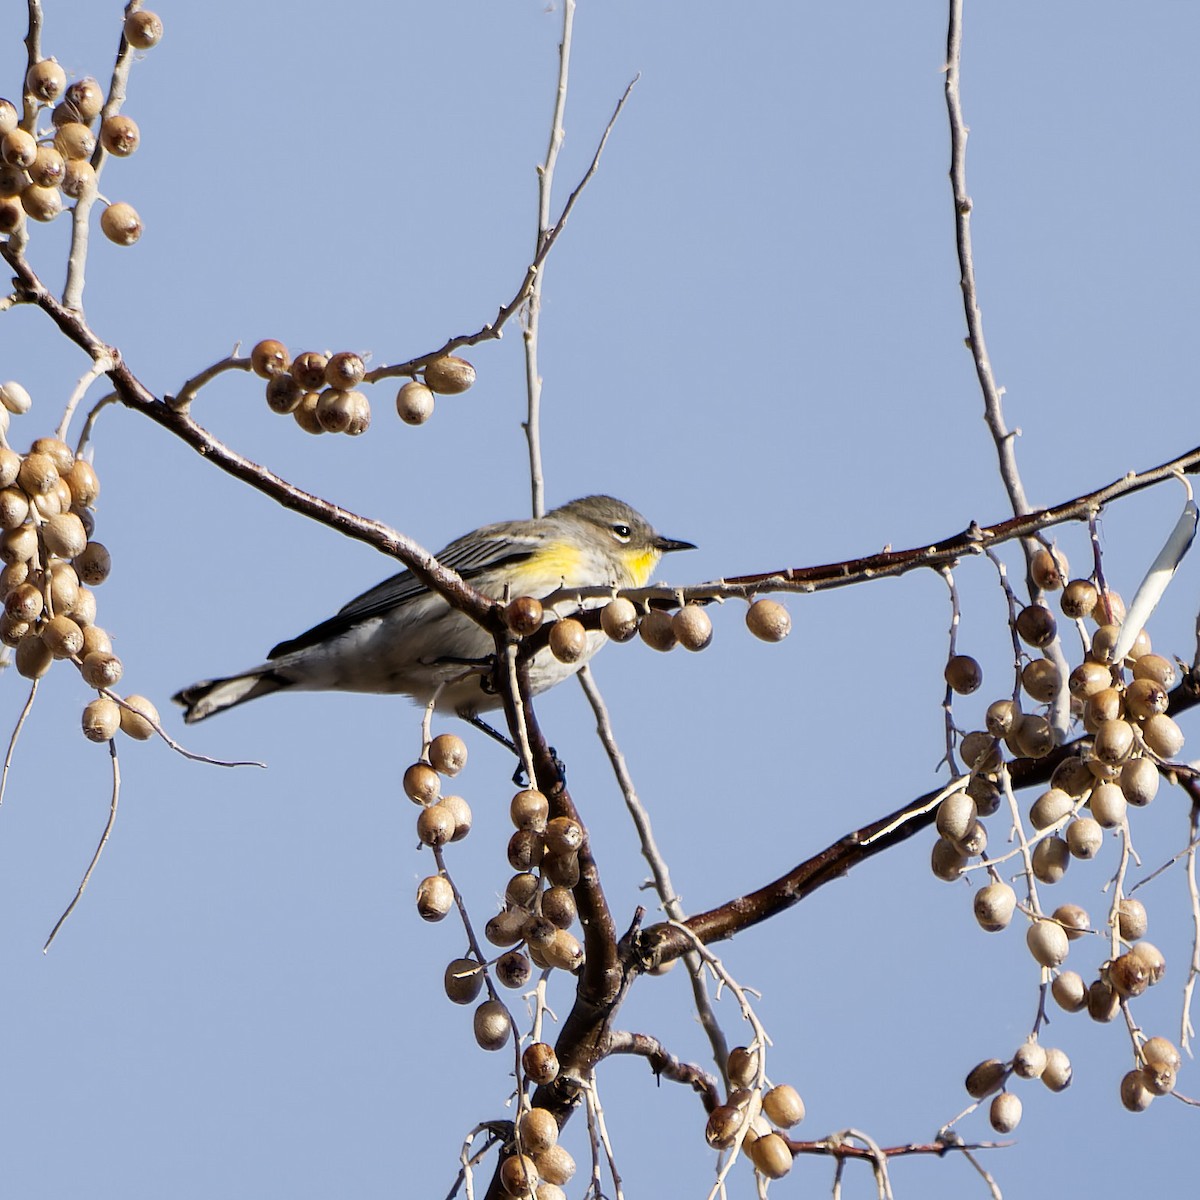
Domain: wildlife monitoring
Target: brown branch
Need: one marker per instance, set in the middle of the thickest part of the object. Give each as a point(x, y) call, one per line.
point(664, 1063)
point(835, 1147)
point(662, 942)
point(133, 394)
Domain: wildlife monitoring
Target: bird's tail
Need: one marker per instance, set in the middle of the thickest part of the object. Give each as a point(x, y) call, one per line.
point(211, 696)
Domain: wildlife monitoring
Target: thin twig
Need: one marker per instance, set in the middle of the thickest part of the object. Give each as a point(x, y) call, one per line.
point(108, 827)
point(533, 379)
point(663, 886)
point(100, 366)
point(16, 733)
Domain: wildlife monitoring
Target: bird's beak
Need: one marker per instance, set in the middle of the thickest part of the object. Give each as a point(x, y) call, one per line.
point(666, 545)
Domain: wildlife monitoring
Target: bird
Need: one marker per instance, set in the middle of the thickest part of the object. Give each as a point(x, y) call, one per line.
point(401, 637)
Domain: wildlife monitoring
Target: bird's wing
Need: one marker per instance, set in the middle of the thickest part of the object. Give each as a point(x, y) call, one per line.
point(468, 556)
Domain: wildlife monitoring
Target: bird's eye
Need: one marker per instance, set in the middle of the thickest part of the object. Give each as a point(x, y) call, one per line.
point(622, 533)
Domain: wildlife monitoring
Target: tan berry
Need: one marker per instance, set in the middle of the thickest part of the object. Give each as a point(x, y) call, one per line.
point(460, 810)
point(1069, 991)
point(435, 897)
point(1134, 1094)
point(558, 906)
point(1049, 808)
point(138, 718)
point(18, 545)
point(96, 641)
point(1113, 742)
point(421, 783)
point(1146, 698)
point(463, 980)
point(619, 619)
point(492, 1025)
point(1001, 718)
point(46, 80)
point(538, 1130)
point(994, 906)
point(1073, 919)
point(101, 719)
point(344, 370)
point(1163, 736)
point(1036, 626)
point(1057, 1073)
point(963, 674)
point(783, 1106)
point(692, 627)
point(1132, 921)
point(1103, 1001)
point(1041, 680)
point(505, 928)
point(120, 135)
point(768, 620)
point(771, 1156)
point(524, 615)
point(414, 403)
point(1159, 1078)
point(1050, 859)
point(1049, 570)
point(1139, 781)
point(14, 508)
point(64, 535)
point(93, 563)
point(723, 1125)
point(561, 870)
point(1108, 805)
point(555, 1165)
point(73, 141)
point(1047, 942)
point(24, 603)
point(18, 148)
point(268, 358)
point(143, 29)
point(449, 375)
point(1162, 1050)
point(1129, 975)
point(513, 969)
point(519, 1176)
point(81, 102)
point(563, 951)
point(1152, 956)
point(568, 640)
point(1035, 736)
point(1110, 609)
point(1029, 1061)
point(985, 1078)
point(956, 816)
point(435, 824)
point(540, 1063)
point(283, 393)
point(101, 669)
point(742, 1066)
point(33, 657)
point(1154, 666)
point(48, 168)
point(530, 810)
point(1079, 598)
point(62, 637)
point(564, 835)
point(9, 117)
point(1005, 1112)
point(657, 631)
point(522, 890)
point(1085, 837)
point(1089, 678)
point(79, 180)
point(447, 754)
point(946, 860)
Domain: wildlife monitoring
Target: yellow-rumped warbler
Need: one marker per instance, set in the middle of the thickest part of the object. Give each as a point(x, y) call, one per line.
point(401, 637)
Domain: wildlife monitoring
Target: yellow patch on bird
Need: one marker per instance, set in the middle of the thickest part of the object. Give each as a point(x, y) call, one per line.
point(557, 561)
point(640, 564)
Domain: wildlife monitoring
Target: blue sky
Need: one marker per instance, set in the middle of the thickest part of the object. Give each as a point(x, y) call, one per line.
point(752, 331)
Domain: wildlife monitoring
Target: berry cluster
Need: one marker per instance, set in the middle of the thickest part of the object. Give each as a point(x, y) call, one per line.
point(621, 620)
point(51, 566)
point(1129, 738)
point(749, 1113)
point(38, 169)
point(532, 929)
point(320, 390)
